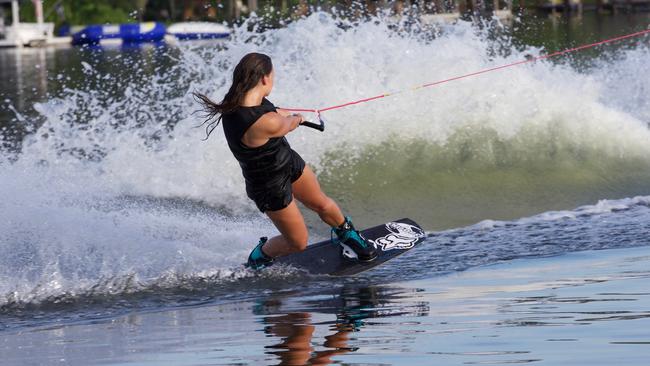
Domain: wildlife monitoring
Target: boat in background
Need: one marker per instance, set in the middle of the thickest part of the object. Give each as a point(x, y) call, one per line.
point(126, 33)
point(198, 30)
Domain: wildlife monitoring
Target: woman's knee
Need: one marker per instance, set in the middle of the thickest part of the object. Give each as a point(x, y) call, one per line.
point(296, 237)
point(298, 241)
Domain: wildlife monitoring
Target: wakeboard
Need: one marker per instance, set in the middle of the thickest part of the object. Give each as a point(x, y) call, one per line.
point(390, 239)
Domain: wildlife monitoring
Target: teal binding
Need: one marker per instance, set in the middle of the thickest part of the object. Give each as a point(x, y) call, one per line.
point(348, 236)
point(343, 235)
point(257, 259)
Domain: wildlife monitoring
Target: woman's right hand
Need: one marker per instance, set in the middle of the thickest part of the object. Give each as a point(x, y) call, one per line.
point(298, 119)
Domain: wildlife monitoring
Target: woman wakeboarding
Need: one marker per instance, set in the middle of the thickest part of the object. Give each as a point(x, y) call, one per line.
point(274, 173)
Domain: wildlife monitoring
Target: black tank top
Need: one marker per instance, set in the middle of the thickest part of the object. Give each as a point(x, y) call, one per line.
point(263, 166)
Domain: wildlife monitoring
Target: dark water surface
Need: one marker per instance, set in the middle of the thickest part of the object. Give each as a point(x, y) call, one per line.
point(589, 308)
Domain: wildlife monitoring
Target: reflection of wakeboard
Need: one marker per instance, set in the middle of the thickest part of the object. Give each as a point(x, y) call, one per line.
point(391, 240)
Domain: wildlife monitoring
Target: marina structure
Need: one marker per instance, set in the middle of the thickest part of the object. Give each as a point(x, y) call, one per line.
point(19, 34)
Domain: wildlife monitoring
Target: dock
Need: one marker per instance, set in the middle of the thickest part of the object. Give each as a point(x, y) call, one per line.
point(20, 34)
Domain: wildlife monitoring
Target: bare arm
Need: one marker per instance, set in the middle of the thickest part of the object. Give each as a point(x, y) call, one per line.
point(283, 112)
point(268, 126)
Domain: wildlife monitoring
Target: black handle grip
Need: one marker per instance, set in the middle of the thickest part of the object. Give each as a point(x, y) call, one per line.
point(318, 126)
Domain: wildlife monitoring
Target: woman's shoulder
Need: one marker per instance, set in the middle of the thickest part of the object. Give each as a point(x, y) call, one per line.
point(267, 102)
point(257, 111)
point(247, 113)
point(267, 106)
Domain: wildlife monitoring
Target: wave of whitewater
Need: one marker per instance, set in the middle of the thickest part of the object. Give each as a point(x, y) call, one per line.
point(115, 192)
point(90, 276)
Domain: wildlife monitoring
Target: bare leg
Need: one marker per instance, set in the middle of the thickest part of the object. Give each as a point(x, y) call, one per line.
point(289, 220)
point(290, 223)
point(307, 190)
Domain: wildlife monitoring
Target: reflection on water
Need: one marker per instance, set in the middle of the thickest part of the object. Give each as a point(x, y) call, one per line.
point(353, 307)
point(296, 331)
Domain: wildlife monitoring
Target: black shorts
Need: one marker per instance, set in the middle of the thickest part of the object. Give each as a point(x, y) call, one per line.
point(277, 197)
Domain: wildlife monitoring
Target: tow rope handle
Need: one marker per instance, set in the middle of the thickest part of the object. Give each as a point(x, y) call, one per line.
point(317, 126)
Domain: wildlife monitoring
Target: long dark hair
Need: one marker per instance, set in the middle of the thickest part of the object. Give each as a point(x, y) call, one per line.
point(247, 74)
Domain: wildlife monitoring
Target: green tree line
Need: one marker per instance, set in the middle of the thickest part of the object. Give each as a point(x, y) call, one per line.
point(81, 12)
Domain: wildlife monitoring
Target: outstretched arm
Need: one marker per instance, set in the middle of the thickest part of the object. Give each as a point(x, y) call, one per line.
point(270, 125)
point(276, 125)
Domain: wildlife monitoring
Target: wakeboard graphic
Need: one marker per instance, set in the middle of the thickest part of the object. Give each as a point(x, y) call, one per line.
point(390, 239)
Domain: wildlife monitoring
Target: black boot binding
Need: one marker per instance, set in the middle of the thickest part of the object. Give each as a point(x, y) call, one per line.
point(354, 245)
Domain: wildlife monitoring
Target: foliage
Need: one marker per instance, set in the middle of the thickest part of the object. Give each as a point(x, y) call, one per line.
point(78, 12)
point(81, 12)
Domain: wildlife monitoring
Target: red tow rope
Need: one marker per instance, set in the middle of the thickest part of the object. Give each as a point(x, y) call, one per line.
point(528, 60)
